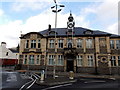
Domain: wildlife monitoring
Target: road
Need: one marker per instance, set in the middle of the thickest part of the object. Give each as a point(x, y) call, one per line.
point(84, 83)
point(17, 81)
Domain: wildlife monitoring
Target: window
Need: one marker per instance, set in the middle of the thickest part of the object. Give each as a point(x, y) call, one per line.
point(25, 59)
point(113, 61)
point(52, 43)
point(79, 43)
point(79, 60)
point(89, 43)
point(90, 60)
point(117, 44)
point(111, 44)
point(102, 42)
point(33, 43)
point(60, 43)
point(38, 59)
point(69, 43)
point(51, 60)
point(60, 59)
point(27, 44)
point(118, 60)
point(31, 59)
point(39, 44)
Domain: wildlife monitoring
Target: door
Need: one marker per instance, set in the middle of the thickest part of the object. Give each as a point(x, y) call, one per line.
point(70, 66)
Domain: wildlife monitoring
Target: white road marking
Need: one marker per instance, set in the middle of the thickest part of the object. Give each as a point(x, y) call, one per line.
point(31, 84)
point(112, 78)
point(94, 81)
point(26, 84)
point(37, 75)
point(57, 86)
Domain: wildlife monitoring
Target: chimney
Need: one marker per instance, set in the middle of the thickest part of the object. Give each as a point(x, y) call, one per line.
point(49, 27)
point(3, 44)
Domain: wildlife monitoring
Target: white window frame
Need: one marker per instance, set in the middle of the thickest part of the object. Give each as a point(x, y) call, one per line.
point(33, 43)
point(60, 60)
point(52, 43)
point(90, 60)
point(51, 60)
point(79, 60)
point(38, 58)
point(117, 44)
point(113, 61)
point(79, 43)
point(69, 41)
point(31, 59)
point(25, 59)
point(60, 43)
point(112, 42)
point(89, 43)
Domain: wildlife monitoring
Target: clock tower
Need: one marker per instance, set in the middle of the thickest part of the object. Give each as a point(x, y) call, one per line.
point(70, 24)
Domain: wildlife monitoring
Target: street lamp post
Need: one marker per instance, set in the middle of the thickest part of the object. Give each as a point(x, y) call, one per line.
point(56, 10)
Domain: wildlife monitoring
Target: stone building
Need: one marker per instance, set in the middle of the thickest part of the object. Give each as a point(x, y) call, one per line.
point(71, 49)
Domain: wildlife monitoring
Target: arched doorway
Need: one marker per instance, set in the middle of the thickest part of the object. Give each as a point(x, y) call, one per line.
point(70, 62)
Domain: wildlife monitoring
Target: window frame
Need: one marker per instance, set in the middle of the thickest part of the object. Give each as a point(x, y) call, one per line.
point(60, 43)
point(60, 60)
point(89, 43)
point(33, 43)
point(112, 42)
point(31, 59)
point(79, 43)
point(79, 60)
point(51, 43)
point(90, 59)
point(113, 61)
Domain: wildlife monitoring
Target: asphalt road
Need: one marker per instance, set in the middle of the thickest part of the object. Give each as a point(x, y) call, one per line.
point(84, 83)
point(17, 81)
point(13, 80)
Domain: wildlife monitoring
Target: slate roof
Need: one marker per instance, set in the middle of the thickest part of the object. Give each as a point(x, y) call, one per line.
point(78, 31)
point(14, 50)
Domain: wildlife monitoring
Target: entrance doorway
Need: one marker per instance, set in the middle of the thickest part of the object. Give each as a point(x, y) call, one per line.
point(70, 65)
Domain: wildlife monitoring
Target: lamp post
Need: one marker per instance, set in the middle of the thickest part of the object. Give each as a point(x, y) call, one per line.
point(109, 64)
point(56, 10)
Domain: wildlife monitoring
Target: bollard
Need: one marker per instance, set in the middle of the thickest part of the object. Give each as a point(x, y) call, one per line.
point(42, 76)
point(71, 75)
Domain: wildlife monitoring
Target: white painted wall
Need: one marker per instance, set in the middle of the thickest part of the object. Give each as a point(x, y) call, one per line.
point(3, 52)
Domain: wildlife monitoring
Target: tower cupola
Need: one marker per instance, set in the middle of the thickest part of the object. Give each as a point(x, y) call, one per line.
point(70, 23)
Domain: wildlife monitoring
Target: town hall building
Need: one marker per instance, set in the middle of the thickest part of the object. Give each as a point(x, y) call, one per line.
point(72, 48)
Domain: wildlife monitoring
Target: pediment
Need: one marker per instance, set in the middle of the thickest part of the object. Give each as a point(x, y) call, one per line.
point(32, 35)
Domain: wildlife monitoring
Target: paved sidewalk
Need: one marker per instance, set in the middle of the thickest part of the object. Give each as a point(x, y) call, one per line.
point(77, 75)
point(63, 77)
point(49, 81)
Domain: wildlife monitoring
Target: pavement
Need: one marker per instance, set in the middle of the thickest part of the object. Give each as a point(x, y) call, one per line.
point(63, 78)
point(50, 81)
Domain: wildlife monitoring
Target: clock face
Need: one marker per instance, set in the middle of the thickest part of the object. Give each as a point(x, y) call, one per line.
point(70, 25)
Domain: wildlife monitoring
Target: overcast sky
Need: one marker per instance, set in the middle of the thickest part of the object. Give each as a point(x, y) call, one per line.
point(23, 16)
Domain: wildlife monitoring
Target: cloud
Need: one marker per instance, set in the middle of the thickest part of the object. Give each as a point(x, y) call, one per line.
point(106, 11)
point(1, 12)
point(31, 5)
point(10, 33)
point(112, 28)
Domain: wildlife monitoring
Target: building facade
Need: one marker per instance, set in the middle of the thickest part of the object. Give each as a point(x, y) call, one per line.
point(71, 49)
point(7, 56)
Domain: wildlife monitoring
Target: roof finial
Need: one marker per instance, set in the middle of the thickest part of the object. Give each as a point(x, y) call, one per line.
point(70, 13)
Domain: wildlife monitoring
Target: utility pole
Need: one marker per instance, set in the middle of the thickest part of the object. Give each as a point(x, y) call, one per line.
point(56, 10)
